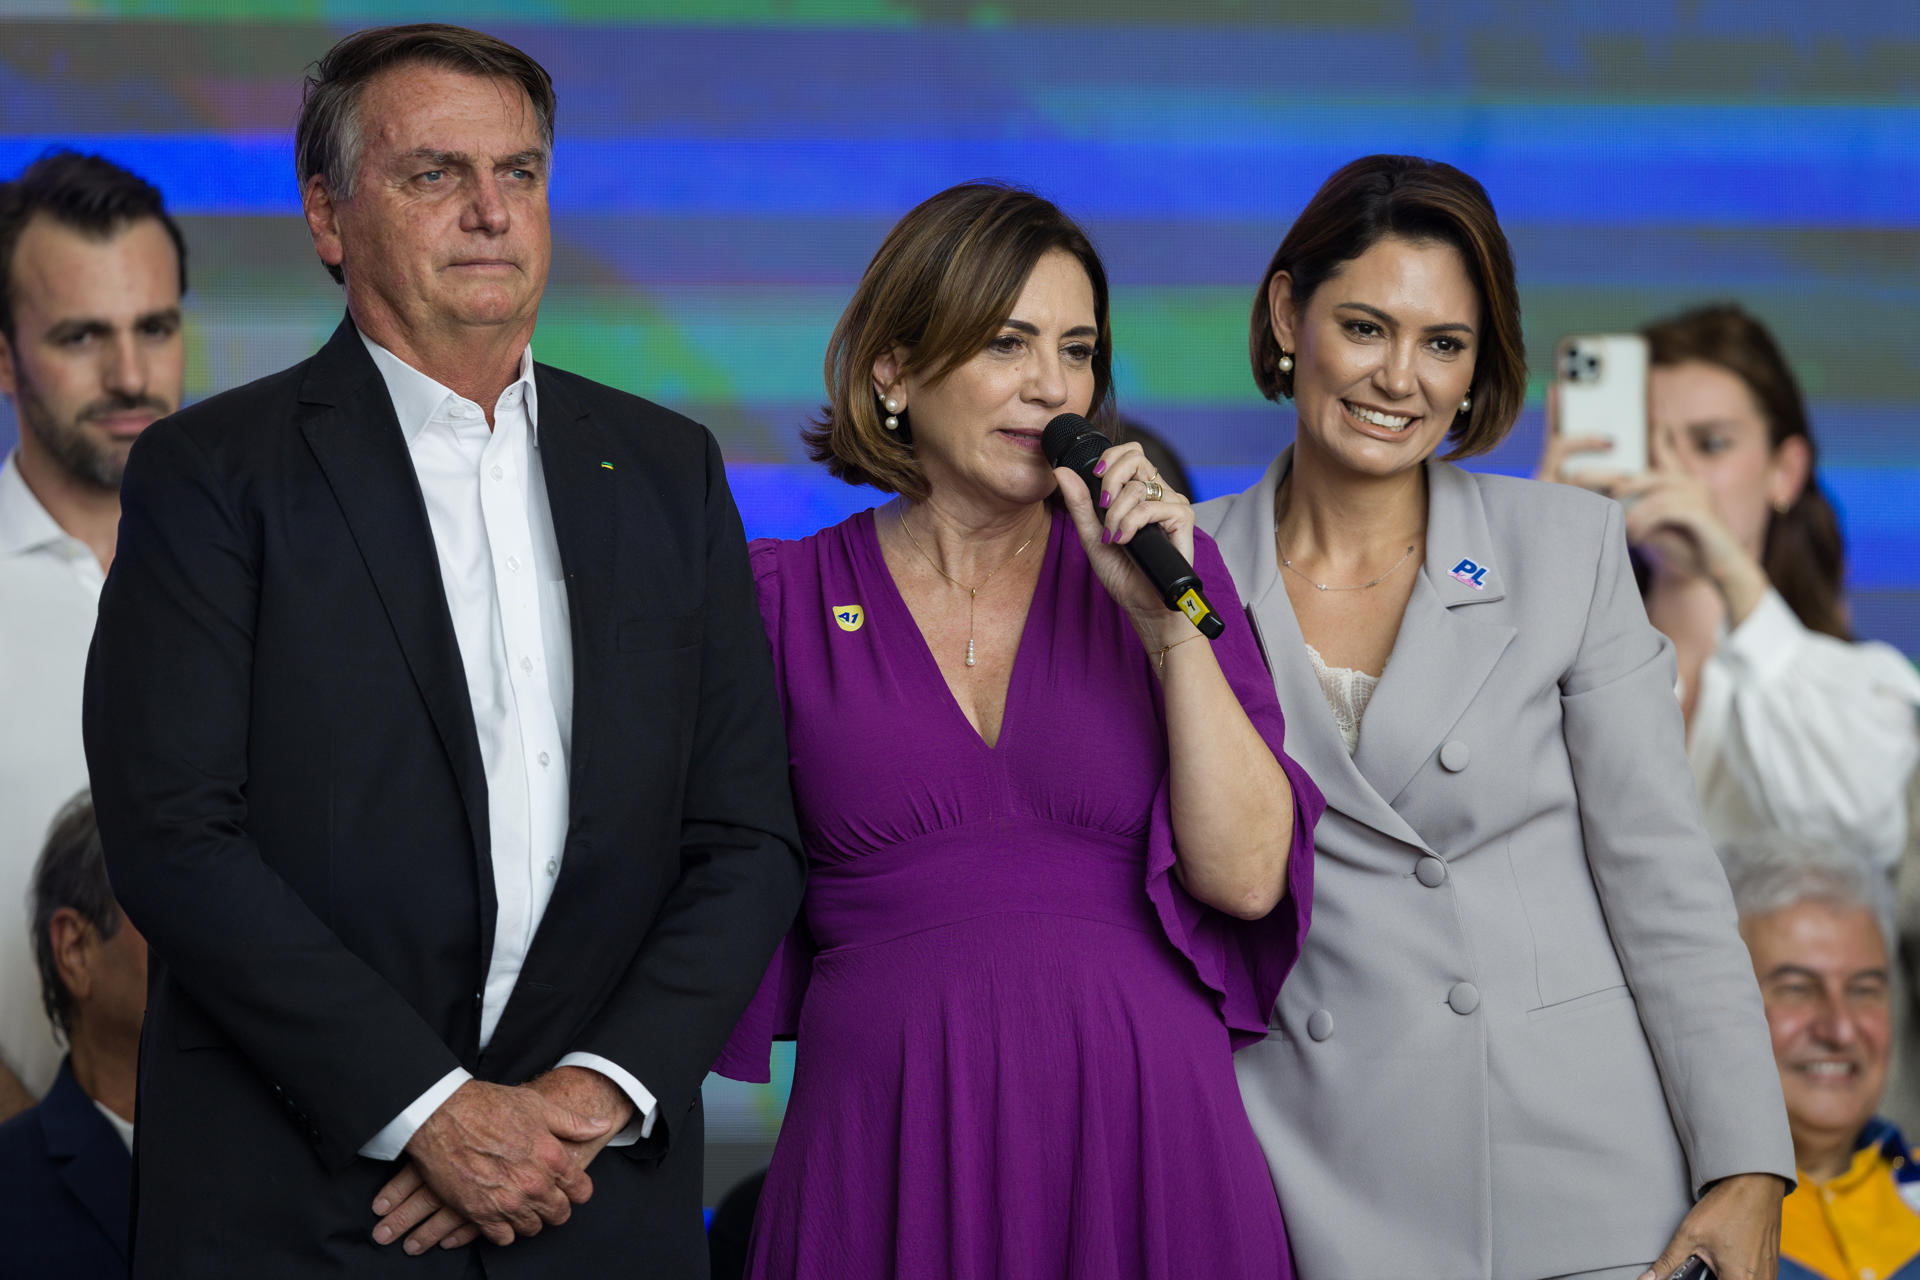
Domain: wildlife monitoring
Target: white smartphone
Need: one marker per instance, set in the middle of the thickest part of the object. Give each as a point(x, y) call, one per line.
point(1603, 392)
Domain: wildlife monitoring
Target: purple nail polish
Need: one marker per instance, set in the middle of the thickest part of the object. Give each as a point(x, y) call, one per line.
point(1105, 498)
point(1105, 536)
point(1100, 467)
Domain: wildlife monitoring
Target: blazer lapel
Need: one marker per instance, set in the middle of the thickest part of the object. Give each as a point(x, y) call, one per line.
point(348, 419)
point(93, 1161)
point(580, 493)
point(1313, 739)
point(1443, 654)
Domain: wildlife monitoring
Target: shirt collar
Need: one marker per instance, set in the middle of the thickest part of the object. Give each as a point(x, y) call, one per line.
point(417, 397)
point(24, 523)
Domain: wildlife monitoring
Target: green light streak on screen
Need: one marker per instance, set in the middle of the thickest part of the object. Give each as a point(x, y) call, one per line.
point(879, 13)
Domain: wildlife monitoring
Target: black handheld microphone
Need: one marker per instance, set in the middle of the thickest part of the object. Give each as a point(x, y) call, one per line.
point(1072, 442)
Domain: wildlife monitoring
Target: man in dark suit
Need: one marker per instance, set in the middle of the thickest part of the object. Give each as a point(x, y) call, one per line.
point(65, 1163)
point(435, 747)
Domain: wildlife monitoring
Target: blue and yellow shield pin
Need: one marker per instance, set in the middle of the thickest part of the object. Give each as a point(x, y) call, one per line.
point(849, 616)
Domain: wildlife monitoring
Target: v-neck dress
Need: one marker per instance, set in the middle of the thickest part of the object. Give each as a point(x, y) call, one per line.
point(1015, 1029)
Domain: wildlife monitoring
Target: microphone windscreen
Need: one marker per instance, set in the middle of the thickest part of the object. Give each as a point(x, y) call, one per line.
point(1061, 435)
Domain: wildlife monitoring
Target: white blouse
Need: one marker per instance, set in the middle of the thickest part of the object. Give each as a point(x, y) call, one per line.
point(1347, 692)
point(1799, 731)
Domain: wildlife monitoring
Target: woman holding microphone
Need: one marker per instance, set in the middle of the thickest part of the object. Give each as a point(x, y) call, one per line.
point(1523, 1039)
point(1059, 862)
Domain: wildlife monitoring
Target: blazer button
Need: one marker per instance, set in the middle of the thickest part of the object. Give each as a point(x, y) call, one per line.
point(1319, 1025)
point(1463, 998)
point(1454, 756)
point(1431, 872)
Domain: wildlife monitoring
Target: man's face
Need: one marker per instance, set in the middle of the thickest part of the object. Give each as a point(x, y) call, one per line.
point(1823, 973)
point(120, 996)
point(96, 352)
point(447, 228)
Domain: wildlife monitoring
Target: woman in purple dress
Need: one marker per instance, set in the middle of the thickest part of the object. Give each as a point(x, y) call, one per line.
point(1059, 862)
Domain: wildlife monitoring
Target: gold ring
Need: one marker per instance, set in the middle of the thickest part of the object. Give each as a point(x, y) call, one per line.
point(1154, 491)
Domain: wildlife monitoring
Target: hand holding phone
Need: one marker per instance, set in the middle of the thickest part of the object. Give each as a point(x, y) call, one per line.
point(1694, 1268)
point(1602, 389)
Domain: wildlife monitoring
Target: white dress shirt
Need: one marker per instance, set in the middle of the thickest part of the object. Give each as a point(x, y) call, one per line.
point(49, 596)
point(1799, 731)
point(486, 499)
point(122, 1127)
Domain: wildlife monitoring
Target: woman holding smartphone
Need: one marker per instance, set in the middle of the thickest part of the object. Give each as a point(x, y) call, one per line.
point(1791, 724)
point(1523, 1038)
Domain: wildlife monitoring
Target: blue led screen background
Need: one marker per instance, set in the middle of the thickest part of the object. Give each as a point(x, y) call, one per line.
point(724, 171)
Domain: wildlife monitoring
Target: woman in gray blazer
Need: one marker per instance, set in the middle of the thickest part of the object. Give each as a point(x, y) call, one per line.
point(1523, 1039)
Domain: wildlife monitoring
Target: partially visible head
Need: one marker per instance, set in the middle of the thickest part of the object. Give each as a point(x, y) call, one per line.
point(1160, 453)
point(92, 270)
point(944, 290)
point(1725, 401)
point(1394, 292)
point(93, 962)
point(1818, 923)
point(423, 154)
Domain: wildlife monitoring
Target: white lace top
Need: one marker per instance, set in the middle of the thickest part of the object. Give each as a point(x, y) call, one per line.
point(1347, 692)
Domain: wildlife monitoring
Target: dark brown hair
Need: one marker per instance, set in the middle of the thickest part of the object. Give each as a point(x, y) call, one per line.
point(941, 285)
point(329, 138)
point(1804, 554)
point(88, 194)
point(1422, 201)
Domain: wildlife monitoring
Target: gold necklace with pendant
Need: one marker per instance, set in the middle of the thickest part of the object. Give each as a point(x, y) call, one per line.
point(972, 591)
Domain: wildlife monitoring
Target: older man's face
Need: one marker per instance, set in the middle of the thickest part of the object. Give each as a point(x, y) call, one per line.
point(447, 229)
point(1823, 973)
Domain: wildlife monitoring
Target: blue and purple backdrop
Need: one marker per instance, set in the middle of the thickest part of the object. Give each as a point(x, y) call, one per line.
point(725, 169)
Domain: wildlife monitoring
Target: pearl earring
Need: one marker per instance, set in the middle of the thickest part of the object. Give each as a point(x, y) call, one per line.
point(891, 423)
point(1466, 403)
point(1285, 364)
point(893, 406)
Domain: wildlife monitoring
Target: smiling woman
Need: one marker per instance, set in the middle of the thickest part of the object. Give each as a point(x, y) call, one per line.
point(1531, 923)
point(1060, 863)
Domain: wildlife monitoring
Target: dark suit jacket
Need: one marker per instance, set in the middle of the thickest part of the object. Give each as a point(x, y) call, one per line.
point(291, 797)
point(64, 1182)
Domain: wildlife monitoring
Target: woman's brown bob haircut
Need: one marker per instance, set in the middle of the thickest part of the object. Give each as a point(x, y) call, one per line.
point(943, 282)
point(1426, 202)
point(330, 136)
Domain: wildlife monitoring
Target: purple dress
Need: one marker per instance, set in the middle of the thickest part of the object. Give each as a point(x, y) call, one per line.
point(1014, 1027)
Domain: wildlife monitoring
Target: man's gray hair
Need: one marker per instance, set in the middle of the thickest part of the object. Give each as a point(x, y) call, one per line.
point(329, 138)
point(1773, 871)
point(71, 872)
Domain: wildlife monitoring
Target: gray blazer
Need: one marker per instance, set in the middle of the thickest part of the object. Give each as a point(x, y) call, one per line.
point(1524, 1032)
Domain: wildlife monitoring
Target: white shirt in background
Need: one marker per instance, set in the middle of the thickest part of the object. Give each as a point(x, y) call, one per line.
point(1799, 731)
point(49, 596)
point(486, 499)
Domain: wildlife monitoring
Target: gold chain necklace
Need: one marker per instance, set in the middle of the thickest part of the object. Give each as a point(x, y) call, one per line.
point(1321, 586)
point(973, 591)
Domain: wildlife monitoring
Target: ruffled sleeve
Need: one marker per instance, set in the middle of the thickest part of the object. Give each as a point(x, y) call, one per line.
point(774, 1013)
point(1820, 735)
point(1242, 961)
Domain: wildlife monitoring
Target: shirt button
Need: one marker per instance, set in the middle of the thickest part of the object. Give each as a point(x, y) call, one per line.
point(544, 759)
point(513, 564)
point(526, 664)
point(499, 473)
point(553, 866)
